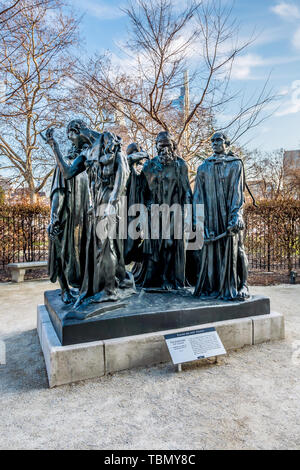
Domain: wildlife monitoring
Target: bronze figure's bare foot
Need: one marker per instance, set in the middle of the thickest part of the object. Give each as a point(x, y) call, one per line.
point(127, 282)
point(67, 297)
point(166, 285)
point(243, 293)
point(105, 296)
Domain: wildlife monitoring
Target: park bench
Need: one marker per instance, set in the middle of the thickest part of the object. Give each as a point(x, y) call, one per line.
point(18, 269)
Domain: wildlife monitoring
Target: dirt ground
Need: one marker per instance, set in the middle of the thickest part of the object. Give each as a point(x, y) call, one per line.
point(251, 400)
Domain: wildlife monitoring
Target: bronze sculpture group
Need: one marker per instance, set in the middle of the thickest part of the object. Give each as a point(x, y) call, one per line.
point(96, 184)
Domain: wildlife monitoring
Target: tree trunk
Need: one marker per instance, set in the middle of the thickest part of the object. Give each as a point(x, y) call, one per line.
point(33, 197)
point(31, 192)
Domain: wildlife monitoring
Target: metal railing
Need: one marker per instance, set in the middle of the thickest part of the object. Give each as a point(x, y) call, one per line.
point(23, 237)
point(272, 239)
point(272, 242)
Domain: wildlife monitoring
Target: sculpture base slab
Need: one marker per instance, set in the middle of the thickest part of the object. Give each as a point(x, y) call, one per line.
point(146, 313)
point(66, 364)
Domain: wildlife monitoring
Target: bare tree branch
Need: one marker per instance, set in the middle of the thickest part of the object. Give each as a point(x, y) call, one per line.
point(34, 61)
point(164, 42)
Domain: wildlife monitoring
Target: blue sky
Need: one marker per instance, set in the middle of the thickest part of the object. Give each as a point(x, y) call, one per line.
point(276, 51)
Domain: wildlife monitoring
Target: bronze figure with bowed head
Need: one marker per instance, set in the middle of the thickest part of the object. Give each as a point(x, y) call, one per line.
point(165, 183)
point(136, 158)
point(222, 262)
point(69, 211)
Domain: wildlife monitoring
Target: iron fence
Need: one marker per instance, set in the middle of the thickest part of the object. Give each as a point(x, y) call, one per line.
point(23, 236)
point(272, 240)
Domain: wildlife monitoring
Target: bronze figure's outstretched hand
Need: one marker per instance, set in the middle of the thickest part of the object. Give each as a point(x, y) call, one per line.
point(54, 230)
point(50, 138)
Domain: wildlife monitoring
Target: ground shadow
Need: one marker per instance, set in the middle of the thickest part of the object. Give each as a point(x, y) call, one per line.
point(25, 367)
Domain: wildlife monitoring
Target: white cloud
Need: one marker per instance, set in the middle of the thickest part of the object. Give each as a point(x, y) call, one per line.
point(126, 63)
point(292, 105)
point(100, 9)
point(283, 91)
point(288, 11)
point(296, 39)
point(291, 12)
point(243, 65)
point(270, 35)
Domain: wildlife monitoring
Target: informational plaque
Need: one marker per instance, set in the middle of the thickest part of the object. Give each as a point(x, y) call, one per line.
point(192, 345)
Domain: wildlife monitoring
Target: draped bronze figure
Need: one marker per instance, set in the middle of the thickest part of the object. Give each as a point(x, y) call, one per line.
point(222, 262)
point(108, 173)
point(105, 168)
point(136, 158)
point(70, 204)
point(164, 181)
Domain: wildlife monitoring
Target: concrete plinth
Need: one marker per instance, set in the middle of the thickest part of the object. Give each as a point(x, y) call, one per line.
point(267, 328)
point(67, 364)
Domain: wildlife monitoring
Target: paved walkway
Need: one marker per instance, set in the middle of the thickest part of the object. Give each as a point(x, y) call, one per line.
point(250, 401)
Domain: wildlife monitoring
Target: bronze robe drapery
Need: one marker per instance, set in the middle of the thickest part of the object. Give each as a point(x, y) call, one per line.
point(219, 186)
point(67, 252)
point(132, 248)
point(163, 184)
point(105, 266)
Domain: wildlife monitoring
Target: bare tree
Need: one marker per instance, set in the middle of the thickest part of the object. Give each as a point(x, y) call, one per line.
point(35, 63)
point(163, 43)
point(90, 107)
point(269, 176)
point(7, 13)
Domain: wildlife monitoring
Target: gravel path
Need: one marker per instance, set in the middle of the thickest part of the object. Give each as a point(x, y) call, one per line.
point(251, 400)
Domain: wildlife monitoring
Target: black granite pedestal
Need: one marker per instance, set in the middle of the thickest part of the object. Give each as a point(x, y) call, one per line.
point(145, 313)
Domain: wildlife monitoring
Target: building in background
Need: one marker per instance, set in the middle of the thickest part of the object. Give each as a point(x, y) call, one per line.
point(259, 189)
point(22, 195)
point(5, 189)
point(285, 179)
point(291, 165)
point(11, 195)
